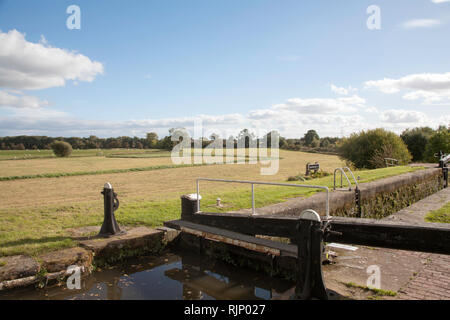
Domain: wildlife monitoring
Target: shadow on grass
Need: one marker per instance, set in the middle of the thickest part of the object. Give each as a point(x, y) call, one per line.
point(27, 241)
point(44, 240)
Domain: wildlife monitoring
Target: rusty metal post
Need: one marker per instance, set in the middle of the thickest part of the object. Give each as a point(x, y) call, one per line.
point(110, 227)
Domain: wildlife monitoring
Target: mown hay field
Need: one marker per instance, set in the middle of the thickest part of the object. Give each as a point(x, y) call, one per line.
point(39, 154)
point(94, 161)
point(152, 185)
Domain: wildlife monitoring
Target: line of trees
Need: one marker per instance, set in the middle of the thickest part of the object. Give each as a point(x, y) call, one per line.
point(92, 142)
point(151, 141)
point(424, 142)
point(363, 149)
point(311, 142)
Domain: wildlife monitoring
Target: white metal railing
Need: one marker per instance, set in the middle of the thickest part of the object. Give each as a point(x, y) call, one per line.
point(342, 170)
point(327, 204)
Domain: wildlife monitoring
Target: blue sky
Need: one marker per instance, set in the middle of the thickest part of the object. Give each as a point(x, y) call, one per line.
point(288, 65)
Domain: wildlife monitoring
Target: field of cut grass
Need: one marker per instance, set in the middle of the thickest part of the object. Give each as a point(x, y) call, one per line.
point(42, 154)
point(152, 185)
point(117, 162)
point(45, 225)
point(14, 169)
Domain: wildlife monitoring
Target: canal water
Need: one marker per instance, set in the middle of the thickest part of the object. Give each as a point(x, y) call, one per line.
point(172, 276)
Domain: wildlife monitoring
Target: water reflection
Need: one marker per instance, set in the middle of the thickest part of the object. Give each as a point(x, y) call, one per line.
point(171, 276)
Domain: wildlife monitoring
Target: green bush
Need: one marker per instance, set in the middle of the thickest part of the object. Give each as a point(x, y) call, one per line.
point(439, 141)
point(368, 149)
point(416, 140)
point(61, 148)
point(311, 176)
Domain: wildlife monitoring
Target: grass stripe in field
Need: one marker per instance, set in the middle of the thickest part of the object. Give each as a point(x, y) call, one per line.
point(85, 173)
point(109, 171)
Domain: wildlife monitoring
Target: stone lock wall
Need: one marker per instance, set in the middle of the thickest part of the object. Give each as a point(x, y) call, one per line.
point(379, 198)
point(387, 196)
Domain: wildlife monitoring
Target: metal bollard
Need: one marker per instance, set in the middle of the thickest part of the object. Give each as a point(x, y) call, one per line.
point(110, 226)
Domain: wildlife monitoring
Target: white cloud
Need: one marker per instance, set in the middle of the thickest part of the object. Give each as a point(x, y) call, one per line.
point(31, 66)
point(421, 23)
point(372, 110)
point(440, 1)
point(292, 118)
point(282, 117)
point(341, 90)
point(397, 120)
point(322, 106)
point(431, 87)
point(403, 116)
point(18, 100)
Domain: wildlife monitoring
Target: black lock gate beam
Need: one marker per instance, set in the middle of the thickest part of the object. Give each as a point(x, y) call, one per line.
point(310, 283)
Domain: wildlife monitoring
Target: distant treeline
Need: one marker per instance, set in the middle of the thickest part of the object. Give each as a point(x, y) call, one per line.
point(92, 142)
point(415, 139)
point(310, 142)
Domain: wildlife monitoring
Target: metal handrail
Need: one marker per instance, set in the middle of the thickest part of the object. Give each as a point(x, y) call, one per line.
point(353, 176)
point(327, 204)
point(348, 180)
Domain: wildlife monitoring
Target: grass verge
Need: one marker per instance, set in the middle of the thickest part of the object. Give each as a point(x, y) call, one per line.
point(377, 292)
point(441, 215)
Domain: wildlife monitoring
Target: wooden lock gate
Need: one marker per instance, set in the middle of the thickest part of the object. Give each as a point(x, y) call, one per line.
point(309, 232)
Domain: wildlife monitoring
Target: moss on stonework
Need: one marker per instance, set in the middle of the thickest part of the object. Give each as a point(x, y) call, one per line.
point(125, 253)
point(387, 203)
